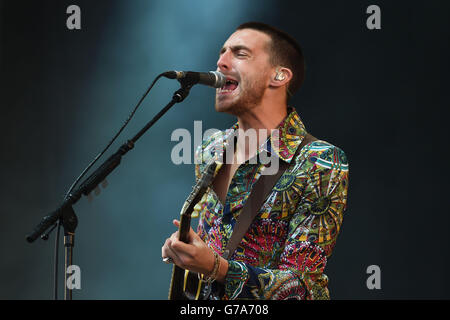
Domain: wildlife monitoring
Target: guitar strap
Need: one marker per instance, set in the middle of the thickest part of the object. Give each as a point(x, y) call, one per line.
point(259, 193)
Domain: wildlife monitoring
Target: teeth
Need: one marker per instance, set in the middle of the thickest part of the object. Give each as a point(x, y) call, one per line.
point(228, 82)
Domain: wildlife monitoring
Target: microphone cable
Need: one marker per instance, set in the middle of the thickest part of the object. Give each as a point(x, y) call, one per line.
point(83, 173)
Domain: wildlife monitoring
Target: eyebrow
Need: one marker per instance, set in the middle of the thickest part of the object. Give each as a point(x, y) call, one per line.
point(236, 48)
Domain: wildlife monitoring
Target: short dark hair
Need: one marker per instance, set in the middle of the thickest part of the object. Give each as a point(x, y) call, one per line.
point(285, 51)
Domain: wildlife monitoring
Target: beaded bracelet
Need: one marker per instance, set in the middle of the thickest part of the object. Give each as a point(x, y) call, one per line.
point(212, 277)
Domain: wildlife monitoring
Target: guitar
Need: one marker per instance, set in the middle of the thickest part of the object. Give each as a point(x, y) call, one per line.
point(186, 285)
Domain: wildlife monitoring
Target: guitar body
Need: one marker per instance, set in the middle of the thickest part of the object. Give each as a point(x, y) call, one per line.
point(176, 291)
point(187, 285)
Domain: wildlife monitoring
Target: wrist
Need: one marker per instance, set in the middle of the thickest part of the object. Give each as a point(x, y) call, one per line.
point(219, 270)
point(223, 270)
point(212, 275)
point(212, 264)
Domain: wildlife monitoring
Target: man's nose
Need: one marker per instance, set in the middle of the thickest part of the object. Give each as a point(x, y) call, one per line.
point(224, 63)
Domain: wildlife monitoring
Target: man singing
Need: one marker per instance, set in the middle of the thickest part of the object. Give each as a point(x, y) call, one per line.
point(284, 252)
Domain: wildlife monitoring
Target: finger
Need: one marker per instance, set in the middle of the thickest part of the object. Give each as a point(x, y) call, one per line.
point(193, 234)
point(181, 248)
point(194, 238)
point(174, 236)
point(171, 253)
point(165, 250)
point(177, 233)
point(176, 223)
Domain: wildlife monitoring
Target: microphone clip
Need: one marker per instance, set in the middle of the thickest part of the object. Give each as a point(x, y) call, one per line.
point(183, 92)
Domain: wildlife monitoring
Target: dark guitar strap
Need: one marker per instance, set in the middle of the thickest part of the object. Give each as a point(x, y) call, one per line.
point(259, 193)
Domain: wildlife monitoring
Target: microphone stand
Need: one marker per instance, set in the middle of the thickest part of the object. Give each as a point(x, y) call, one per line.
point(65, 213)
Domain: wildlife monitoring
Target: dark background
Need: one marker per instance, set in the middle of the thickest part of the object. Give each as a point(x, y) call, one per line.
point(380, 95)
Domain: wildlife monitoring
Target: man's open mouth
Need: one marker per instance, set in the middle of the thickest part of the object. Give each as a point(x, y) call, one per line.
point(230, 86)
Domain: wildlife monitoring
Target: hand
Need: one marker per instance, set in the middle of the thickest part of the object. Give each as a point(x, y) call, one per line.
point(195, 255)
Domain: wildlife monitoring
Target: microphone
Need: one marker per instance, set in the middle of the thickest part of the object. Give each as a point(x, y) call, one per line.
point(213, 79)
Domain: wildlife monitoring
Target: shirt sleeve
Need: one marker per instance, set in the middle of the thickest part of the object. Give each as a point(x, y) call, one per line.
point(311, 237)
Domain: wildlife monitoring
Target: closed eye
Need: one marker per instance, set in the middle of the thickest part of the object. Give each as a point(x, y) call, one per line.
point(239, 50)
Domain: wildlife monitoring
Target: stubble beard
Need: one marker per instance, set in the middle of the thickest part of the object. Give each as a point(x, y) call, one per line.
point(250, 96)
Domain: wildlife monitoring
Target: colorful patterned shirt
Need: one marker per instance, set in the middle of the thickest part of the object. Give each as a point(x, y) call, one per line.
point(285, 250)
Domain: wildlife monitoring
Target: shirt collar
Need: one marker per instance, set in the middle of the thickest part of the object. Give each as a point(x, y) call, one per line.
point(285, 139)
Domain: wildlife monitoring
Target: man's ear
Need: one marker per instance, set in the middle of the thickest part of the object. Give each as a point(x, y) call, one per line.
point(281, 76)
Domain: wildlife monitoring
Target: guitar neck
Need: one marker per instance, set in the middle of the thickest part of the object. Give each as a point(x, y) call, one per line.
point(185, 225)
point(176, 291)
